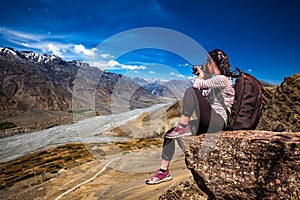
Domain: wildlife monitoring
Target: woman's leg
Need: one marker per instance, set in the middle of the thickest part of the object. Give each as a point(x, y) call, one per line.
point(162, 174)
point(168, 151)
point(194, 101)
point(207, 119)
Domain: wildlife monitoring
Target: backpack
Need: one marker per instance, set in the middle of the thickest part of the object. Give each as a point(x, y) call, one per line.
point(247, 106)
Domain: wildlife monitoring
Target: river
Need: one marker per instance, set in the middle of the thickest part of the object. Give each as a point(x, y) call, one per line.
point(87, 130)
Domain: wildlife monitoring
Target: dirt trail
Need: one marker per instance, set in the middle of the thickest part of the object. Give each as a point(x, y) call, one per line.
point(118, 176)
point(113, 184)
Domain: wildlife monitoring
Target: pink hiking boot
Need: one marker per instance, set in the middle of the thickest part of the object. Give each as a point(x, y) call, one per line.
point(159, 177)
point(179, 131)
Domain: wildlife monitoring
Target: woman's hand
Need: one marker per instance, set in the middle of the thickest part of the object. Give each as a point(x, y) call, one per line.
point(200, 74)
point(199, 79)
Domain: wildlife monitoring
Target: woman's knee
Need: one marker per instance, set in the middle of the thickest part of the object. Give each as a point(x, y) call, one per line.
point(190, 91)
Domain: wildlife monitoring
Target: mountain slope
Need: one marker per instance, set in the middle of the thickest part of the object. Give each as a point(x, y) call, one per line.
point(282, 106)
point(32, 83)
point(170, 89)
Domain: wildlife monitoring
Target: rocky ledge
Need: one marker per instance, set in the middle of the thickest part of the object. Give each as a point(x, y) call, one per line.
point(245, 164)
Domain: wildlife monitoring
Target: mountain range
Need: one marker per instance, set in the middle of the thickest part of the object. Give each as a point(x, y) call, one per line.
point(37, 87)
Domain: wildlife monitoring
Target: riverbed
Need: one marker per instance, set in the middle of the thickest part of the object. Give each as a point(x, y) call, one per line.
point(88, 130)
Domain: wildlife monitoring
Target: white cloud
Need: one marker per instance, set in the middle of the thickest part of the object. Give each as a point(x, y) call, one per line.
point(18, 36)
point(24, 44)
point(106, 55)
point(47, 43)
point(152, 72)
point(177, 75)
point(81, 49)
point(191, 77)
point(184, 65)
point(54, 50)
point(133, 67)
point(113, 64)
point(57, 49)
point(101, 65)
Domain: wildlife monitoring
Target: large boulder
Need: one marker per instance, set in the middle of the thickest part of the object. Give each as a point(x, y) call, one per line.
point(245, 164)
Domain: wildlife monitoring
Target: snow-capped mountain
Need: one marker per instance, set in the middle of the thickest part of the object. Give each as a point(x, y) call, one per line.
point(34, 57)
point(10, 53)
point(170, 89)
point(39, 58)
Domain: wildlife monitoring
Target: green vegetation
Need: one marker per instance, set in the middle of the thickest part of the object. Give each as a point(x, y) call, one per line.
point(78, 111)
point(140, 143)
point(42, 163)
point(7, 125)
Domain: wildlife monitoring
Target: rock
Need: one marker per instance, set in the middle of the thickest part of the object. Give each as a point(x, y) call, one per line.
point(185, 190)
point(245, 164)
point(281, 106)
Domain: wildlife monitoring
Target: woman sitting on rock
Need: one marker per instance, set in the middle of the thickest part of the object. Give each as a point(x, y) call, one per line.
point(211, 116)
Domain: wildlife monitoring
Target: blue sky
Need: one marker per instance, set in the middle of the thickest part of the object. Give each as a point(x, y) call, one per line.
point(259, 36)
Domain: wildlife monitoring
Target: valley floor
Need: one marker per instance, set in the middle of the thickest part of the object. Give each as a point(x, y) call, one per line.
point(118, 175)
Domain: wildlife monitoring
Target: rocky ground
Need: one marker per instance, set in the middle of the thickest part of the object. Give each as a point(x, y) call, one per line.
point(248, 164)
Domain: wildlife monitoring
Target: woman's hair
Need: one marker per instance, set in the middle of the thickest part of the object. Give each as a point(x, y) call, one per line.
point(221, 60)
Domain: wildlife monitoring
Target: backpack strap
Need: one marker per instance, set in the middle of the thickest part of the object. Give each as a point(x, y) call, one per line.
point(221, 100)
point(239, 91)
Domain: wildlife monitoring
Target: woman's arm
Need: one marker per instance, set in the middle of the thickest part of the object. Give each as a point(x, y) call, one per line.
point(218, 81)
